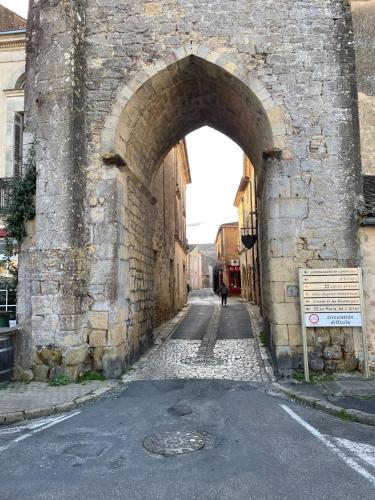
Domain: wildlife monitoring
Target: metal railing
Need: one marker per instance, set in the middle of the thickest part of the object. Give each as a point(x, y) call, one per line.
point(5, 187)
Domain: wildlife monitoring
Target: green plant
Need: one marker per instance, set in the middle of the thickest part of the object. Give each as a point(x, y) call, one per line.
point(345, 416)
point(299, 376)
point(21, 207)
point(263, 339)
point(321, 377)
point(60, 380)
point(86, 376)
point(314, 377)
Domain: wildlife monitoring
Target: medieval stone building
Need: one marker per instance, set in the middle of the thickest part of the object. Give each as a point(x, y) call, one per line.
point(12, 79)
point(227, 252)
point(248, 249)
point(111, 88)
point(170, 243)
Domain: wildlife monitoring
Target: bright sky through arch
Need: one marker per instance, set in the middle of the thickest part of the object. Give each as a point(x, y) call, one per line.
point(216, 169)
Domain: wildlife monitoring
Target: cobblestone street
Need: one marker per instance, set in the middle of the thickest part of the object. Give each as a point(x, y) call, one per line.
point(210, 342)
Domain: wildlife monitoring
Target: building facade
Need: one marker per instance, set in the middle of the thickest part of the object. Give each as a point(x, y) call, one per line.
point(12, 80)
point(208, 252)
point(227, 246)
point(169, 241)
point(246, 203)
point(112, 87)
point(364, 35)
point(195, 273)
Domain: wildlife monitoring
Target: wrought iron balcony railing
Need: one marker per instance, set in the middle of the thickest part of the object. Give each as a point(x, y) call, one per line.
point(5, 187)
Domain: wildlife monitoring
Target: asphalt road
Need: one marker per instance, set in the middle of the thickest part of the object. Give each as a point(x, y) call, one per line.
point(195, 323)
point(261, 447)
point(234, 321)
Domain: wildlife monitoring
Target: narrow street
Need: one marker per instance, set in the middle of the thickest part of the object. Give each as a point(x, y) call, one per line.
point(168, 434)
point(211, 342)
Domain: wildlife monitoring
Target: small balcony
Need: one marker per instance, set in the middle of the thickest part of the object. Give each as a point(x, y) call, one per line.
point(5, 187)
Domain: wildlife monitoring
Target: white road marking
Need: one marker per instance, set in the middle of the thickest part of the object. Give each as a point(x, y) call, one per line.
point(29, 425)
point(39, 429)
point(348, 460)
point(364, 451)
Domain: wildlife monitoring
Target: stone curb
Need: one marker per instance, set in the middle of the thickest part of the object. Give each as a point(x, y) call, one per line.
point(19, 416)
point(327, 407)
point(264, 353)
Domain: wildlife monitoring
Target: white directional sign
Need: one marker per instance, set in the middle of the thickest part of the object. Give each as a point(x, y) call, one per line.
point(337, 320)
point(332, 298)
point(328, 291)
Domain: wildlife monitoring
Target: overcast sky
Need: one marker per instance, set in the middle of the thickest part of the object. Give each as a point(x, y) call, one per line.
point(216, 169)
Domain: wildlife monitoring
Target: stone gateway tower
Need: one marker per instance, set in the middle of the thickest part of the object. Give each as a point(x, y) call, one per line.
point(112, 86)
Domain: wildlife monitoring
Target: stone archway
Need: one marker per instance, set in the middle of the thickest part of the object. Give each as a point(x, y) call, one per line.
point(102, 122)
point(186, 95)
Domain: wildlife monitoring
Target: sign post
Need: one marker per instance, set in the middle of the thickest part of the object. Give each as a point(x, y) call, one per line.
point(332, 298)
point(304, 334)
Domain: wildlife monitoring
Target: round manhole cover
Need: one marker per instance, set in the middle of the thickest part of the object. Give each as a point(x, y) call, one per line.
point(204, 361)
point(174, 443)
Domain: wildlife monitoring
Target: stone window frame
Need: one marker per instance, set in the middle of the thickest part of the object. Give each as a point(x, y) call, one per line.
point(14, 107)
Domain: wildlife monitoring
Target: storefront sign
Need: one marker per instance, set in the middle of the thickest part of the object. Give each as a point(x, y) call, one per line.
point(331, 298)
point(235, 263)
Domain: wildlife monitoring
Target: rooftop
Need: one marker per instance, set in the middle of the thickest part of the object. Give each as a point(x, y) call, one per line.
point(10, 21)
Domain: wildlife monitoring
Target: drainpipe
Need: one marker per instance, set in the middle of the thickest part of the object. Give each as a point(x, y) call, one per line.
point(368, 221)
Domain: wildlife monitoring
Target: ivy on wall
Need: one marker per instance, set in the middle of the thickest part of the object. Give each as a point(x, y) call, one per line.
point(21, 206)
point(20, 209)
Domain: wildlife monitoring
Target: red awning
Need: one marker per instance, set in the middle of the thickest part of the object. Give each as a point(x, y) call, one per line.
point(3, 233)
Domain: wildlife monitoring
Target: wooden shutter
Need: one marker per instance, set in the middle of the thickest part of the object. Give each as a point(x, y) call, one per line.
point(17, 144)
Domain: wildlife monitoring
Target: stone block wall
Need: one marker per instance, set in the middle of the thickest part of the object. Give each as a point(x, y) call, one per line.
point(164, 190)
point(364, 35)
point(277, 77)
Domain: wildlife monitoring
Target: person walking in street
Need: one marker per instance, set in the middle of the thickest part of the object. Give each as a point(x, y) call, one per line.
point(223, 290)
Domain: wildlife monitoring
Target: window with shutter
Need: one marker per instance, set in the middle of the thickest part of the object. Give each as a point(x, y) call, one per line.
point(18, 144)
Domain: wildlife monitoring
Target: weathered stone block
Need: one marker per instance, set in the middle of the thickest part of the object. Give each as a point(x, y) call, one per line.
point(322, 337)
point(280, 335)
point(21, 375)
point(98, 358)
point(332, 352)
point(42, 304)
point(351, 361)
point(40, 373)
point(295, 336)
point(75, 355)
point(114, 361)
point(72, 372)
point(98, 338)
point(287, 313)
point(49, 287)
point(116, 334)
point(98, 320)
point(337, 337)
point(316, 363)
point(50, 356)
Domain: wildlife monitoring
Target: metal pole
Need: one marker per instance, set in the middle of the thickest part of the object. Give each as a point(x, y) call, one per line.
point(364, 325)
point(303, 325)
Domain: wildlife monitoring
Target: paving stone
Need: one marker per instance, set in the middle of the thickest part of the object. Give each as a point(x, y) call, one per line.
point(228, 359)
